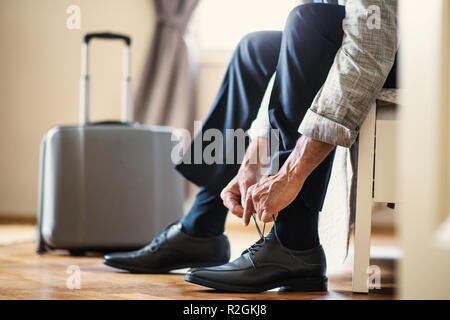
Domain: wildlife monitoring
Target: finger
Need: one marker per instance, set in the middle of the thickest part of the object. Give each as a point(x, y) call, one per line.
point(223, 193)
point(230, 187)
point(231, 201)
point(258, 205)
point(226, 195)
point(248, 208)
point(243, 190)
point(235, 207)
point(259, 214)
point(268, 216)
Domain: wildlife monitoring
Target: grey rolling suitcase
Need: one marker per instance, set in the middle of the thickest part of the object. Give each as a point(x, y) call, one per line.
point(108, 185)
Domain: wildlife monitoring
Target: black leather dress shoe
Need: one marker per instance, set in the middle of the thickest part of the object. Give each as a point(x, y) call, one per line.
point(267, 264)
point(173, 249)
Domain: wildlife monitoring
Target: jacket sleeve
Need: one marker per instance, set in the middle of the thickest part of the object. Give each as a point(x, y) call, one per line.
point(357, 75)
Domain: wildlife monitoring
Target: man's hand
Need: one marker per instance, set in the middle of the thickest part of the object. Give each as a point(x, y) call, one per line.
point(275, 193)
point(249, 173)
point(270, 196)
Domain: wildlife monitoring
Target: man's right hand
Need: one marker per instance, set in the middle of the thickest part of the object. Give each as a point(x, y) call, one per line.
point(256, 157)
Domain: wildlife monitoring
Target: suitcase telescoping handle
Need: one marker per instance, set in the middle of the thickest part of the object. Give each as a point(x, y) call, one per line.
point(126, 99)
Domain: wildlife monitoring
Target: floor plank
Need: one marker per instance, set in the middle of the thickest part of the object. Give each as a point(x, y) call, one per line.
point(23, 275)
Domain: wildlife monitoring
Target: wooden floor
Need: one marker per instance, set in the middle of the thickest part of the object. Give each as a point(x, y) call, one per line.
point(23, 275)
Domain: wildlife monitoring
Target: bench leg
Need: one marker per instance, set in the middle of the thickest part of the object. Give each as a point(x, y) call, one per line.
point(363, 215)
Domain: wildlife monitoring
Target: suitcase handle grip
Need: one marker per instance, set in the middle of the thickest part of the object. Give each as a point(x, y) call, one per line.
point(126, 99)
point(113, 123)
point(106, 35)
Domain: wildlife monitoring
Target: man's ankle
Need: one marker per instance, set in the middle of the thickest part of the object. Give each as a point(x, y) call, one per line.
point(297, 243)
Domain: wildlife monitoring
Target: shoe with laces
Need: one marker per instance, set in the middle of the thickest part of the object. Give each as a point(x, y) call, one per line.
point(173, 249)
point(266, 265)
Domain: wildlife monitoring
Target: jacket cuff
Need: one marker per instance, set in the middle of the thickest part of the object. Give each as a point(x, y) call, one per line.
point(323, 129)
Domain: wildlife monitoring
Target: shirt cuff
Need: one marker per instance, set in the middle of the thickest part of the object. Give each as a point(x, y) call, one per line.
point(258, 133)
point(323, 129)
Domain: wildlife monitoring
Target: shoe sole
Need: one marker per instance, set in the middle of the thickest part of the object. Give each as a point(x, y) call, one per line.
point(291, 285)
point(133, 269)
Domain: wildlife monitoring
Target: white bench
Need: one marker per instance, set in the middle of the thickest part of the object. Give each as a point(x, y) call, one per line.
point(375, 172)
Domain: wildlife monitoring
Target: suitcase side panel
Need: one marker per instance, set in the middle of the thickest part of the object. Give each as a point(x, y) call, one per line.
point(63, 200)
point(108, 187)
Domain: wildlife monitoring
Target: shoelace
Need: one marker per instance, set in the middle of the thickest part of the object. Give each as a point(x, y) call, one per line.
point(262, 240)
point(159, 239)
point(258, 244)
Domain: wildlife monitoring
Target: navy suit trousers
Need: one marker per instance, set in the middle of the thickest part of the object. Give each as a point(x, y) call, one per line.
point(301, 55)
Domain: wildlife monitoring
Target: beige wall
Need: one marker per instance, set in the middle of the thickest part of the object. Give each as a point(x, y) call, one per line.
point(424, 150)
point(39, 78)
point(209, 78)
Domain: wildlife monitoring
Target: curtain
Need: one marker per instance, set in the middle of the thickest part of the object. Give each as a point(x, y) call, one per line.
point(166, 95)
